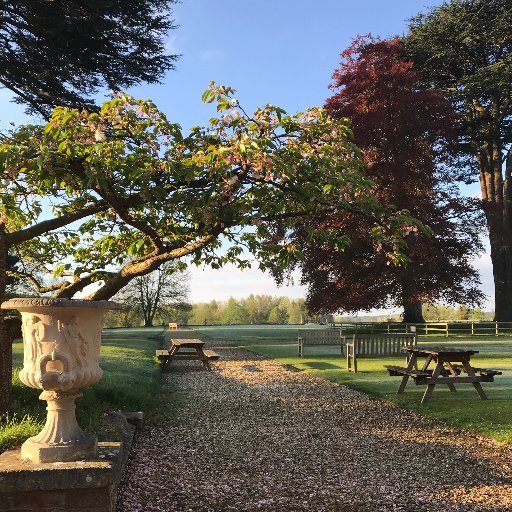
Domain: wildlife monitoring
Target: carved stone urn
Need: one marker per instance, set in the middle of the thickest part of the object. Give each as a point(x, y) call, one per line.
point(61, 341)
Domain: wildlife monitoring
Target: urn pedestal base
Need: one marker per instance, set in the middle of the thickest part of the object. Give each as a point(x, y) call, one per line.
point(84, 448)
point(61, 439)
point(88, 486)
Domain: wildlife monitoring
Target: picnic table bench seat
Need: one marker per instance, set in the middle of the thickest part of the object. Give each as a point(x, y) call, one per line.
point(483, 372)
point(419, 376)
point(210, 354)
point(487, 375)
point(163, 355)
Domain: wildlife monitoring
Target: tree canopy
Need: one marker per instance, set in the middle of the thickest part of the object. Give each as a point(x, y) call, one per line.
point(127, 189)
point(464, 48)
point(125, 182)
point(404, 134)
point(62, 52)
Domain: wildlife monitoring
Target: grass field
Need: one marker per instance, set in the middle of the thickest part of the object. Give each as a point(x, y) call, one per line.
point(130, 381)
point(463, 409)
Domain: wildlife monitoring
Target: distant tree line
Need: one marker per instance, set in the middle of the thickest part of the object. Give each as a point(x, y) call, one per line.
point(255, 309)
point(439, 313)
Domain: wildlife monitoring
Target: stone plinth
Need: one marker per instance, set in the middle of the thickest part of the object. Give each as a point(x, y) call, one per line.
point(85, 486)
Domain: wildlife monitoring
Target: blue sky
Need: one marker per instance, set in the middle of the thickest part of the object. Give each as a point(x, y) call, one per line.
point(280, 52)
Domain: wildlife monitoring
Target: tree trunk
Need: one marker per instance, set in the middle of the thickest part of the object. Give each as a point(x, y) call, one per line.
point(497, 202)
point(413, 313)
point(502, 271)
point(5, 335)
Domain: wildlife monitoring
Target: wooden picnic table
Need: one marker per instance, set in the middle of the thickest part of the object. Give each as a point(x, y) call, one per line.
point(195, 351)
point(445, 371)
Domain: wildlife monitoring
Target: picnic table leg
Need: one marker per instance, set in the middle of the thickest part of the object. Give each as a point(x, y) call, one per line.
point(432, 382)
point(469, 370)
point(172, 352)
point(204, 359)
point(411, 364)
point(427, 362)
point(447, 371)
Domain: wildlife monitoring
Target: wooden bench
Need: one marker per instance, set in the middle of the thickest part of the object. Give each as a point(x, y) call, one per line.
point(173, 326)
point(310, 337)
point(377, 345)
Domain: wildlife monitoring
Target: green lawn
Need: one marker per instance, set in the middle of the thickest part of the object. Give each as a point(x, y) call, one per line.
point(130, 382)
point(464, 409)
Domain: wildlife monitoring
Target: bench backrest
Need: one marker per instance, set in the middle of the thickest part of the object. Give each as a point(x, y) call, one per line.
point(320, 336)
point(382, 344)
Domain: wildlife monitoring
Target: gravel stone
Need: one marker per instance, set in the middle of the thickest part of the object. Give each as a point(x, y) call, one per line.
point(254, 436)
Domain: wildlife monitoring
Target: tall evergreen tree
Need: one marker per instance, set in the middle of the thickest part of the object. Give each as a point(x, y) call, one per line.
point(62, 52)
point(464, 48)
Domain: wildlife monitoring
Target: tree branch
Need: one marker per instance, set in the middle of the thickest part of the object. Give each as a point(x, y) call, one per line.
point(81, 283)
point(35, 283)
point(147, 264)
point(18, 237)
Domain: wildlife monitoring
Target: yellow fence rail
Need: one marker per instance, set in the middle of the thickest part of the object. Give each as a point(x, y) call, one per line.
point(459, 328)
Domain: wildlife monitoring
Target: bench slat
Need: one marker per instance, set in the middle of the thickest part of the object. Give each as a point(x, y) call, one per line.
point(486, 372)
point(210, 354)
point(400, 370)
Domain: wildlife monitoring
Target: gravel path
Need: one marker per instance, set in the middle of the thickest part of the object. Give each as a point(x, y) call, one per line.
point(255, 436)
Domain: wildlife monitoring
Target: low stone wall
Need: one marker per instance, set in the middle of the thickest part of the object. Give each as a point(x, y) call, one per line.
point(82, 486)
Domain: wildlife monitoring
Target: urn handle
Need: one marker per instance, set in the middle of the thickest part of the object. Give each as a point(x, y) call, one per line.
point(55, 380)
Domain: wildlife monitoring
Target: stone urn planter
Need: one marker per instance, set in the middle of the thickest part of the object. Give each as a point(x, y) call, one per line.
point(61, 341)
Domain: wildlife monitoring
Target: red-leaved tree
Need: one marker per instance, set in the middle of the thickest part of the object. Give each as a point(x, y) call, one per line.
point(404, 134)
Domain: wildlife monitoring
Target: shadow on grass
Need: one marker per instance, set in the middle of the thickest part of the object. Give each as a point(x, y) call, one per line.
point(317, 365)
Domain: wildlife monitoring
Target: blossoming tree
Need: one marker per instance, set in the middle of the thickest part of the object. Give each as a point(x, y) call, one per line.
point(125, 189)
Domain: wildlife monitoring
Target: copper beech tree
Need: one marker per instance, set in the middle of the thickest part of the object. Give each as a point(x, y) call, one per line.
point(125, 188)
point(403, 133)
